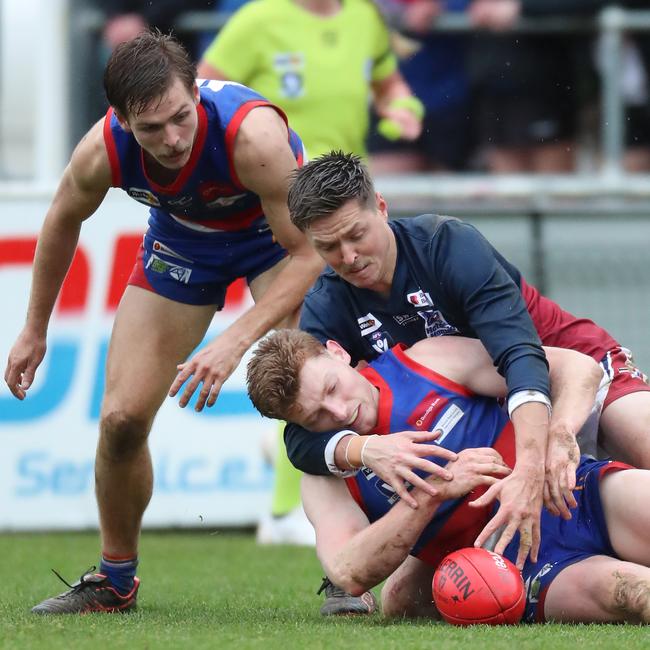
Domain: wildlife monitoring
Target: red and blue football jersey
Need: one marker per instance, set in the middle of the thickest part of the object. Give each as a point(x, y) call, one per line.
point(207, 194)
point(414, 398)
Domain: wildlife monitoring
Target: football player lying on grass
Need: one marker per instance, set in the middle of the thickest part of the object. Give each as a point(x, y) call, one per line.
point(591, 567)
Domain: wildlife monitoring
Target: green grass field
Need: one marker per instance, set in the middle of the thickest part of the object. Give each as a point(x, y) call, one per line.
point(220, 590)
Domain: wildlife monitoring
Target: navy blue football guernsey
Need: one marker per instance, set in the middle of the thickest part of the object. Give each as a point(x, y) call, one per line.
point(207, 196)
point(412, 397)
point(448, 280)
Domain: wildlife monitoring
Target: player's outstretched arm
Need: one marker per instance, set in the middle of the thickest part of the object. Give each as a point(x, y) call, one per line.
point(81, 190)
point(575, 380)
point(263, 161)
point(357, 555)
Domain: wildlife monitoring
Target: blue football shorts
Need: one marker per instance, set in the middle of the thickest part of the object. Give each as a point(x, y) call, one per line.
point(196, 267)
point(564, 542)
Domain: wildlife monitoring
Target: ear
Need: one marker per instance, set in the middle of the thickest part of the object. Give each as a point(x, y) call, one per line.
point(122, 120)
point(382, 206)
point(337, 352)
point(196, 95)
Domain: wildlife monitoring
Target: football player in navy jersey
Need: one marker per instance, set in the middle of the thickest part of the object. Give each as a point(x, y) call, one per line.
point(403, 280)
point(591, 568)
point(212, 162)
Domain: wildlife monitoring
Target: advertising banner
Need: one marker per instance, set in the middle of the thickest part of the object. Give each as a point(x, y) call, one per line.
point(208, 466)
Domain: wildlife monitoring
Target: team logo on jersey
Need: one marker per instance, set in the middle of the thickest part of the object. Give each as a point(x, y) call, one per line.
point(368, 324)
point(419, 299)
point(289, 67)
point(435, 323)
point(383, 488)
point(163, 248)
point(211, 190)
point(427, 410)
point(143, 196)
point(179, 273)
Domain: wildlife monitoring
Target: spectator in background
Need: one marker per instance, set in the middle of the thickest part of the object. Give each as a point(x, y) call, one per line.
point(320, 61)
point(128, 18)
point(501, 15)
point(523, 93)
point(433, 64)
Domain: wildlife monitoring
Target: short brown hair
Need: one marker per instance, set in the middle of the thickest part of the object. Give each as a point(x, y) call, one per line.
point(141, 70)
point(326, 183)
point(272, 375)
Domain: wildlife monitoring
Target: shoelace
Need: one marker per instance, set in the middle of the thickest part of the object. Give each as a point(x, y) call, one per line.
point(81, 582)
point(330, 588)
point(326, 582)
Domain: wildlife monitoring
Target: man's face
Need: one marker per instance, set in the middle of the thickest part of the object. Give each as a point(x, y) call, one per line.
point(358, 244)
point(333, 395)
point(167, 127)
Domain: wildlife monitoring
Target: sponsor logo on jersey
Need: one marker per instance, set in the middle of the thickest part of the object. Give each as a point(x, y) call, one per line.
point(224, 201)
point(143, 196)
point(404, 319)
point(427, 411)
point(368, 324)
point(179, 273)
point(419, 299)
point(159, 247)
point(435, 323)
point(180, 202)
point(450, 418)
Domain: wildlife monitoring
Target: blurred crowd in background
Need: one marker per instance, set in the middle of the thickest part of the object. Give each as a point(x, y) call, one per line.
point(494, 99)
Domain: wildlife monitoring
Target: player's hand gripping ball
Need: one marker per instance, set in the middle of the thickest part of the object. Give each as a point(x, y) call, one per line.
point(473, 586)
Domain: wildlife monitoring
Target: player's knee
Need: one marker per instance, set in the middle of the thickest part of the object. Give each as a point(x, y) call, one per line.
point(122, 434)
point(630, 597)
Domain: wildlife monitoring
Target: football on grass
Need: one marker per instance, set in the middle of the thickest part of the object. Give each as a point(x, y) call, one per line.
point(473, 586)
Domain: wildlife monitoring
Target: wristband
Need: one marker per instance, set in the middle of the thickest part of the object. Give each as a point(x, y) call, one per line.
point(411, 103)
point(392, 130)
point(524, 396)
point(347, 460)
point(363, 448)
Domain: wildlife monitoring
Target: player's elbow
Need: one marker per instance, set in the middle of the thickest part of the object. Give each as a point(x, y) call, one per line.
point(346, 578)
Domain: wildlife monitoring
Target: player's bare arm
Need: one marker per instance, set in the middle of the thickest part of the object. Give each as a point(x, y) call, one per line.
point(82, 188)
point(575, 379)
point(357, 555)
point(263, 161)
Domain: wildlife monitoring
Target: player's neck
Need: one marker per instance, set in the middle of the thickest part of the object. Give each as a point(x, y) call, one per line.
point(159, 173)
point(384, 284)
point(323, 8)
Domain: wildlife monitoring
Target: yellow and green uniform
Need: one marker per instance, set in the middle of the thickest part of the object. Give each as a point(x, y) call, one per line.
point(318, 69)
